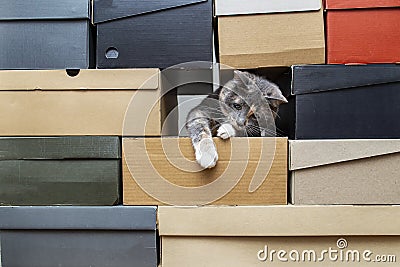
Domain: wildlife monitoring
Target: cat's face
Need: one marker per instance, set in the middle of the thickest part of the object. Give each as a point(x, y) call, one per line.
point(246, 98)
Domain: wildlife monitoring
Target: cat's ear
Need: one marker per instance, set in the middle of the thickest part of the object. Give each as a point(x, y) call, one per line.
point(240, 76)
point(276, 98)
point(237, 74)
point(273, 94)
point(276, 103)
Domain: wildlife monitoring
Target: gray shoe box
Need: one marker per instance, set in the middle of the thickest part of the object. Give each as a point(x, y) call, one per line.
point(78, 236)
point(45, 34)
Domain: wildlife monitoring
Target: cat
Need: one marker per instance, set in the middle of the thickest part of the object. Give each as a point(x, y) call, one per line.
point(247, 105)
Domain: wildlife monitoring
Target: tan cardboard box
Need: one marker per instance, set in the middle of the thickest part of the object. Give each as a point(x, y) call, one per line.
point(91, 102)
point(263, 33)
point(280, 236)
point(250, 171)
point(345, 171)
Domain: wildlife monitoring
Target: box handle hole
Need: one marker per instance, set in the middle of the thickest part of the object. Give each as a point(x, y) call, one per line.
point(112, 53)
point(73, 72)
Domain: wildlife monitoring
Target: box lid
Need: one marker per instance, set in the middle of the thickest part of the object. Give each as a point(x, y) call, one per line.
point(311, 153)
point(44, 9)
point(72, 147)
point(238, 7)
point(279, 221)
point(346, 4)
point(319, 78)
point(79, 80)
point(78, 218)
point(106, 10)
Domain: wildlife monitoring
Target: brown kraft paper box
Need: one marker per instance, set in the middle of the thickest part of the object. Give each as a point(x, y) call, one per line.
point(270, 33)
point(88, 102)
point(346, 171)
point(280, 236)
point(163, 171)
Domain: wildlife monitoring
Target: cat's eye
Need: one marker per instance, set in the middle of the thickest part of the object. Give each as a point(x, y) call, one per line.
point(237, 106)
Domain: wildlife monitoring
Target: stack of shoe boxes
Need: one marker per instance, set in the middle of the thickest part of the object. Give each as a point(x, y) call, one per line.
point(343, 126)
point(347, 111)
point(96, 168)
point(61, 156)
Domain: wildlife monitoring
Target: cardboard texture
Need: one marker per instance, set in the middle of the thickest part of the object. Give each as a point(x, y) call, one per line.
point(216, 236)
point(350, 102)
point(284, 220)
point(95, 236)
point(61, 171)
point(94, 102)
point(243, 163)
point(58, 34)
point(295, 33)
point(152, 33)
point(345, 171)
point(363, 31)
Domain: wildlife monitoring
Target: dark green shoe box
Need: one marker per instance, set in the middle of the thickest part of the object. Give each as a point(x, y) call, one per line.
point(77, 170)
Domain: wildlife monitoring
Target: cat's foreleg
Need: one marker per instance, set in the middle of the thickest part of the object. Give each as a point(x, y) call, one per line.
point(226, 131)
point(204, 147)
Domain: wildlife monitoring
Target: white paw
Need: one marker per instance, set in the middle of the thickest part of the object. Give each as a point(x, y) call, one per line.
point(226, 131)
point(206, 153)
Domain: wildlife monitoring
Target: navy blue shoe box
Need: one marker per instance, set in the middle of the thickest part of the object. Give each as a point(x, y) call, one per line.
point(157, 33)
point(345, 101)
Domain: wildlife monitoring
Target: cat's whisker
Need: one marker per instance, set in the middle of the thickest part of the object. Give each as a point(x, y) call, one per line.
point(252, 130)
point(277, 130)
point(258, 129)
point(276, 114)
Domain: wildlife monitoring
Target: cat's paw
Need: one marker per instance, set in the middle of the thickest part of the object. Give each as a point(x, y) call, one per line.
point(226, 131)
point(206, 153)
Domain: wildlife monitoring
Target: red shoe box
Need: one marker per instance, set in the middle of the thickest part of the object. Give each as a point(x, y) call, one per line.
point(363, 31)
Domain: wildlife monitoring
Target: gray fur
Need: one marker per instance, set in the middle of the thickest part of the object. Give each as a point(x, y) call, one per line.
point(245, 106)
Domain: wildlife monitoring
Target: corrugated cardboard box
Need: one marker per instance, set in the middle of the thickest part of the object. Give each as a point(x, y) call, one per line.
point(346, 101)
point(78, 236)
point(345, 171)
point(74, 170)
point(250, 171)
point(270, 33)
point(363, 31)
point(45, 34)
point(279, 236)
point(89, 102)
point(152, 34)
